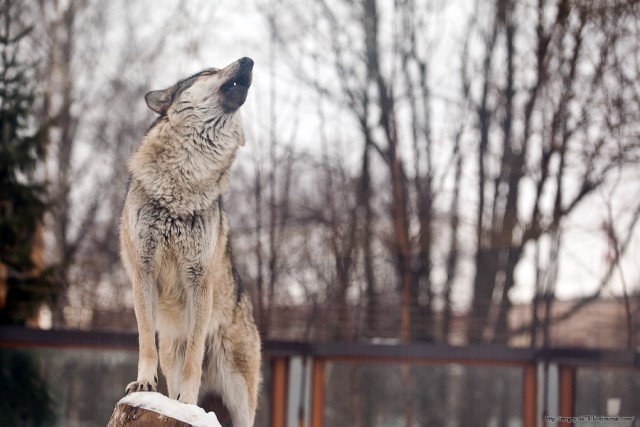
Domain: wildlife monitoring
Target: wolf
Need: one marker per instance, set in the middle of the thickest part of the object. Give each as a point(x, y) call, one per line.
point(174, 239)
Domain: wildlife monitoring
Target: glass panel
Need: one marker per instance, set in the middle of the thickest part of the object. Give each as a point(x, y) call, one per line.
point(263, 415)
point(607, 392)
point(83, 386)
point(384, 395)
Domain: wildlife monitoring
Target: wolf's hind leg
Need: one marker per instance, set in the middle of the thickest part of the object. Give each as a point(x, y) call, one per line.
point(235, 395)
point(236, 381)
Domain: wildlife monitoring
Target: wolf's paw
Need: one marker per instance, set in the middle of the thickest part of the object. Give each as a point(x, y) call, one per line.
point(188, 397)
point(141, 386)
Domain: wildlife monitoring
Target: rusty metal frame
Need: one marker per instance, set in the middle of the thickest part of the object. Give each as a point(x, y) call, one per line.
point(278, 354)
point(279, 392)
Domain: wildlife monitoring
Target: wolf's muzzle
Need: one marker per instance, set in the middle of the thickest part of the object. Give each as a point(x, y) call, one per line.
point(236, 88)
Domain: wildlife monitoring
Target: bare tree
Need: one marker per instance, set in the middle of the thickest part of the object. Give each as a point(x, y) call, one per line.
point(553, 148)
point(374, 82)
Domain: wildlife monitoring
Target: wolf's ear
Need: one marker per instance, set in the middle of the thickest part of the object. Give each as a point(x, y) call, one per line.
point(160, 100)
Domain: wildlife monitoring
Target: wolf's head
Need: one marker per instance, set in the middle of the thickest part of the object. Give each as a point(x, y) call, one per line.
point(206, 96)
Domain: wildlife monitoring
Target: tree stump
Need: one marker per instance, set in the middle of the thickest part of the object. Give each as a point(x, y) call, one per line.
point(155, 410)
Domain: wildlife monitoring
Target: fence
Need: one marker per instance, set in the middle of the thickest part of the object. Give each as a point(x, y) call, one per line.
point(365, 384)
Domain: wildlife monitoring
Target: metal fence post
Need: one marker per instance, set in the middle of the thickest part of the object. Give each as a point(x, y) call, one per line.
point(567, 392)
point(279, 392)
point(529, 395)
point(317, 393)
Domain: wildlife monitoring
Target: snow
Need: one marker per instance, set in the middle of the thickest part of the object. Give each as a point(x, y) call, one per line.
point(161, 404)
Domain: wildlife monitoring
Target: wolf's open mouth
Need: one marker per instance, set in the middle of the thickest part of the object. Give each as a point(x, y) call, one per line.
point(243, 80)
point(235, 89)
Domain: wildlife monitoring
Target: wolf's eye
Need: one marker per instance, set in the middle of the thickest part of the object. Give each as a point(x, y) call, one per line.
point(209, 72)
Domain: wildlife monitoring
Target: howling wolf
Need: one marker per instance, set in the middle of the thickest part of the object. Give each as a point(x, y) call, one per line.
point(175, 247)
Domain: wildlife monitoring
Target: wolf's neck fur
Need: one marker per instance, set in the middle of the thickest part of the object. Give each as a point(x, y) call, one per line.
point(196, 158)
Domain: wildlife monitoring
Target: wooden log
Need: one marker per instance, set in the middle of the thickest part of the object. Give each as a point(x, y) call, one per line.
point(155, 410)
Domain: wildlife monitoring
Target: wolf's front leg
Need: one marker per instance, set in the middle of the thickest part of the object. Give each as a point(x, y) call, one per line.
point(171, 351)
point(145, 302)
point(199, 307)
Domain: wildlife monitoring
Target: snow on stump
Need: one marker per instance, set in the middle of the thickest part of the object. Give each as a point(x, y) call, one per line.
point(154, 409)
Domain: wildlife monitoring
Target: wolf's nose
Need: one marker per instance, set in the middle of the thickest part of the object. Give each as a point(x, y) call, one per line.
point(245, 62)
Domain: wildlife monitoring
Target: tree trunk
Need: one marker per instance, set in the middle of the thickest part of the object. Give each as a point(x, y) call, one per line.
point(148, 409)
point(485, 269)
point(128, 415)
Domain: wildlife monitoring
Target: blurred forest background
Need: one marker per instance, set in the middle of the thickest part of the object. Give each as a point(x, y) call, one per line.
point(457, 172)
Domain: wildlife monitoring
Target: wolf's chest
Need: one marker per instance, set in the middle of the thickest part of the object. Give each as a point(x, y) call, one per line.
point(175, 228)
point(182, 232)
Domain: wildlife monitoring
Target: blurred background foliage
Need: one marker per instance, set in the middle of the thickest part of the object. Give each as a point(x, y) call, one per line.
point(432, 171)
